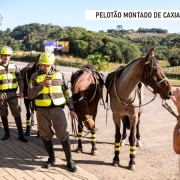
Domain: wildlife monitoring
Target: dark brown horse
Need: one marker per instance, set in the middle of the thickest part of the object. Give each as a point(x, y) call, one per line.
point(26, 73)
point(124, 98)
point(86, 85)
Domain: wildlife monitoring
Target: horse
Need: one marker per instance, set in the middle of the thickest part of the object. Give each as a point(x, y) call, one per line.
point(26, 73)
point(125, 100)
point(86, 86)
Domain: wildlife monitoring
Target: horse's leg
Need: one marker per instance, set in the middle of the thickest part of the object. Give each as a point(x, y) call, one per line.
point(32, 113)
point(32, 107)
point(132, 145)
point(93, 143)
point(79, 149)
point(28, 125)
point(93, 135)
point(125, 121)
point(138, 141)
point(117, 142)
point(141, 97)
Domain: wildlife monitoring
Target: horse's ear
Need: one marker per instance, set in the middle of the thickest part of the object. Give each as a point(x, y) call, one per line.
point(149, 55)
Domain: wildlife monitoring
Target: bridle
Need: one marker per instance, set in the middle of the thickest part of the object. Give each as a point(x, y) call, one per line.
point(152, 78)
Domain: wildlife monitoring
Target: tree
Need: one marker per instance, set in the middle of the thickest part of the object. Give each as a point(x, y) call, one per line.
point(119, 27)
point(99, 61)
point(176, 42)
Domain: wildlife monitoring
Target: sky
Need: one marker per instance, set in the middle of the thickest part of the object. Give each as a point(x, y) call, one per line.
point(72, 13)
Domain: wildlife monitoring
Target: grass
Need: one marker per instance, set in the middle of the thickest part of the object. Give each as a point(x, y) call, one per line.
point(174, 82)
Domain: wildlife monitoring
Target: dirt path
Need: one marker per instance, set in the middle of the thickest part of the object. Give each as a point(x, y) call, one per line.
point(156, 160)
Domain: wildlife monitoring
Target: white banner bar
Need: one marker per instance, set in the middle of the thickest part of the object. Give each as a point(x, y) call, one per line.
point(132, 14)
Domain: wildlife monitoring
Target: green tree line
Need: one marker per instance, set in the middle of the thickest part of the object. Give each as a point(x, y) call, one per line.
point(115, 45)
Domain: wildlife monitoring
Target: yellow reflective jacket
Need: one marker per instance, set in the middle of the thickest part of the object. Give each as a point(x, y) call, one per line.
point(50, 95)
point(8, 79)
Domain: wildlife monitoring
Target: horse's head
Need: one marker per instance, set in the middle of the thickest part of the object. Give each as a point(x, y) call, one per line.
point(154, 76)
point(83, 111)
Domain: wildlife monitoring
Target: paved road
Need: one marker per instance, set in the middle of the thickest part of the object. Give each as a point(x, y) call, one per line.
point(24, 161)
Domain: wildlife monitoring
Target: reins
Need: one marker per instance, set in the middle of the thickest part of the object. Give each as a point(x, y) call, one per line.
point(130, 104)
point(74, 130)
point(166, 106)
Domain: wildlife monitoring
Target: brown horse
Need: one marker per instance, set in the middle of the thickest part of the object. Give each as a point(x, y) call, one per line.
point(26, 73)
point(86, 85)
point(124, 98)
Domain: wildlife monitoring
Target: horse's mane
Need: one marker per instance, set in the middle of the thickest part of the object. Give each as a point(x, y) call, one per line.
point(25, 69)
point(89, 66)
point(132, 62)
point(31, 67)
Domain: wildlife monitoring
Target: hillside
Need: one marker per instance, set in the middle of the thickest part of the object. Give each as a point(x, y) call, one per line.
point(140, 35)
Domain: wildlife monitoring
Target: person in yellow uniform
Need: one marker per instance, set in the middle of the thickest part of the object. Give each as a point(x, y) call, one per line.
point(50, 91)
point(10, 79)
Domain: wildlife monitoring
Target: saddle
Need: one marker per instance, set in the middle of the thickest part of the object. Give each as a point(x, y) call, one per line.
point(99, 77)
point(89, 68)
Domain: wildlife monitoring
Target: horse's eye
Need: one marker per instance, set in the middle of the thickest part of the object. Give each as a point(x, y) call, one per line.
point(154, 69)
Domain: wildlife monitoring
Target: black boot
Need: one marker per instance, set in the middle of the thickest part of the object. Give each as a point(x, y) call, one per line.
point(18, 122)
point(6, 128)
point(49, 148)
point(67, 149)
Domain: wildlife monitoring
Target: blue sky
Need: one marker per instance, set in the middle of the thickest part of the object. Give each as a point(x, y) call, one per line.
point(72, 13)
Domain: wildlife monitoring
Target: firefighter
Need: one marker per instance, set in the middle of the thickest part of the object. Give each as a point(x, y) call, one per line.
point(50, 91)
point(10, 79)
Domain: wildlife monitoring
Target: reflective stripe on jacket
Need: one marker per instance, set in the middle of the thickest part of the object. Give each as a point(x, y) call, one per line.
point(8, 79)
point(50, 94)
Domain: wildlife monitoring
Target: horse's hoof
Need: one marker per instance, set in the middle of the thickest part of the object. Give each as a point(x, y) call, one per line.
point(38, 135)
point(139, 144)
point(94, 152)
point(122, 143)
point(27, 133)
point(132, 167)
point(79, 150)
point(116, 163)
